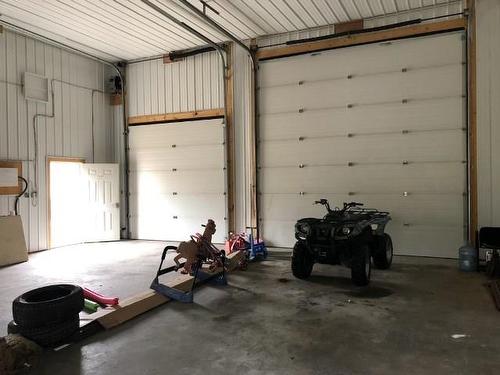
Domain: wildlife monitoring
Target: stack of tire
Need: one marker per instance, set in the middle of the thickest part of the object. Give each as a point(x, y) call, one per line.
point(49, 315)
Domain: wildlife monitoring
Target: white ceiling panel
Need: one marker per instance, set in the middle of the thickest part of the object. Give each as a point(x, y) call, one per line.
point(129, 29)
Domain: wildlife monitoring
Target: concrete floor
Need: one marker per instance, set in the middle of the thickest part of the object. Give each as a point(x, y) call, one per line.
point(267, 322)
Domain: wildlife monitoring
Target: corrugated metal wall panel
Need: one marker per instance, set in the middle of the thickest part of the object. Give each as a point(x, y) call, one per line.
point(69, 133)
point(488, 111)
point(192, 84)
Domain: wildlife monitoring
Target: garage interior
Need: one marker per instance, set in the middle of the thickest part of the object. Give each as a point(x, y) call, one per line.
point(127, 125)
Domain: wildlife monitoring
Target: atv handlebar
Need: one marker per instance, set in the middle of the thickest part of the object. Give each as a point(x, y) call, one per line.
point(352, 204)
point(325, 203)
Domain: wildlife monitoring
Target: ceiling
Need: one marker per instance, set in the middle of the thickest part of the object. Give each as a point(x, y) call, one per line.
point(128, 29)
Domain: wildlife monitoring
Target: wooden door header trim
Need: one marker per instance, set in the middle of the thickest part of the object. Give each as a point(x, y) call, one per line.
point(366, 38)
point(67, 159)
point(203, 114)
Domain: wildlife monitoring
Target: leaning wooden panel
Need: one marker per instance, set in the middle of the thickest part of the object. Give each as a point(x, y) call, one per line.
point(12, 243)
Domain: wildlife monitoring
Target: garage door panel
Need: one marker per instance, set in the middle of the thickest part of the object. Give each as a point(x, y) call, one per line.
point(166, 135)
point(180, 158)
point(174, 229)
point(418, 241)
point(395, 179)
point(421, 225)
point(164, 206)
point(428, 241)
point(419, 84)
point(159, 182)
point(416, 53)
point(416, 209)
point(417, 115)
point(411, 147)
point(399, 146)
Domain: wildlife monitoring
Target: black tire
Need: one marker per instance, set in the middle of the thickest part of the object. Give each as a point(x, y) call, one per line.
point(47, 305)
point(383, 252)
point(52, 334)
point(493, 266)
point(361, 266)
point(13, 328)
point(302, 262)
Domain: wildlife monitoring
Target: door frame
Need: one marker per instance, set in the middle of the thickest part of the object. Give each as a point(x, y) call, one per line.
point(66, 159)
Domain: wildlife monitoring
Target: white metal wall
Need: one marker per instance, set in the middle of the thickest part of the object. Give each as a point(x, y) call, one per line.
point(191, 84)
point(68, 134)
point(383, 124)
point(488, 111)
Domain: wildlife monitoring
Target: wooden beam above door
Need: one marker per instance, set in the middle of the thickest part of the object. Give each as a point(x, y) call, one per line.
point(365, 38)
point(203, 114)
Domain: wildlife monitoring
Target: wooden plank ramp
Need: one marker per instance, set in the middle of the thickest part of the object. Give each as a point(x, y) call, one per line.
point(131, 307)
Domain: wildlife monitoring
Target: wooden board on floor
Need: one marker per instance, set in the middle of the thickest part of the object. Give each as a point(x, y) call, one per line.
point(134, 306)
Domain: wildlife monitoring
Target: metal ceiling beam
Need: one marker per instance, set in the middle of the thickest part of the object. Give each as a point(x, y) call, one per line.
point(183, 25)
point(218, 27)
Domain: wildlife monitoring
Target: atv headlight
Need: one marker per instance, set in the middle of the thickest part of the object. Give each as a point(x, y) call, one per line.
point(346, 230)
point(304, 228)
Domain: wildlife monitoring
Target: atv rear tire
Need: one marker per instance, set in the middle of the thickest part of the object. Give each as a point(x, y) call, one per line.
point(361, 266)
point(47, 305)
point(383, 252)
point(302, 262)
point(493, 266)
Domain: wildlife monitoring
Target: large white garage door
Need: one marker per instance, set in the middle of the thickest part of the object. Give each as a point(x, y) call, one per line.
point(383, 124)
point(177, 179)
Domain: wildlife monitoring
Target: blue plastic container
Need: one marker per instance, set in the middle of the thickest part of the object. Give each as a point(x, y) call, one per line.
point(467, 258)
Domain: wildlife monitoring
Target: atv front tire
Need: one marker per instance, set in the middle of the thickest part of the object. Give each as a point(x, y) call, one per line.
point(361, 266)
point(302, 262)
point(383, 252)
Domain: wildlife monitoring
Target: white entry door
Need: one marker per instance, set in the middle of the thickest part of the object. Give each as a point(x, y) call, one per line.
point(102, 197)
point(83, 203)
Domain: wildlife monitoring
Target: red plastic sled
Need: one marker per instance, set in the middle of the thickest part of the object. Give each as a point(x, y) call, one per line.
point(96, 297)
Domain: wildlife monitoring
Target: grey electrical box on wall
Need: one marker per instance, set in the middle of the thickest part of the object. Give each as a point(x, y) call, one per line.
point(36, 87)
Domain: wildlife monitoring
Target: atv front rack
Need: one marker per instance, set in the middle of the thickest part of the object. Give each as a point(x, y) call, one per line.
point(199, 276)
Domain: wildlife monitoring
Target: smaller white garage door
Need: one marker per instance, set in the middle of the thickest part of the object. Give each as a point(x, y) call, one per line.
point(177, 179)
